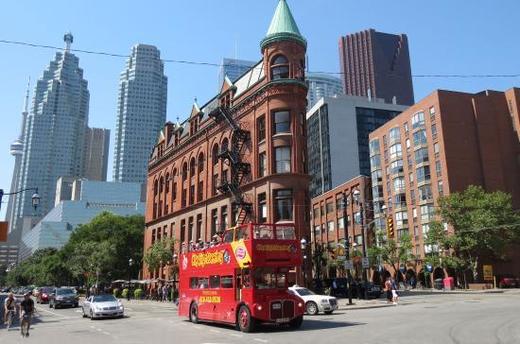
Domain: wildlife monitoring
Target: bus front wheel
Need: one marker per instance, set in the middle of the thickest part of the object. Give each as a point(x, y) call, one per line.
point(246, 323)
point(194, 313)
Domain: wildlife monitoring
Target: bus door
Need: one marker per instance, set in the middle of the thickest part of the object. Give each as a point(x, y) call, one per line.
point(225, 307)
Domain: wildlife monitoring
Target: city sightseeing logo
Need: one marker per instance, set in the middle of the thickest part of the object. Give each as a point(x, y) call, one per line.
point(240, 252)
point(200, 260)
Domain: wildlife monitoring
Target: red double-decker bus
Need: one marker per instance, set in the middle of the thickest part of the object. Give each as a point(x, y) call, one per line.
point(243, 279)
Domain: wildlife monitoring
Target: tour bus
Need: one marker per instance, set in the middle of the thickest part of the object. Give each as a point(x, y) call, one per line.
point(243, 279)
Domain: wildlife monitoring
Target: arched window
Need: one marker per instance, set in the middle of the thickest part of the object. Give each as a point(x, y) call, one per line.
point(161, 184)
point(279, 67)
point(192, 167)
point(225, 145)
point(167, 183)
point(155, 187)
point(184, 171)
point(201, 162)
point(214, 154)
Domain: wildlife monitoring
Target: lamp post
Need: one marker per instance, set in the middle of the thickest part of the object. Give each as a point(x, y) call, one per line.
point(347, 246)
point(361, 204)
point(303, 244)
point(174, 275)
point(130, 263)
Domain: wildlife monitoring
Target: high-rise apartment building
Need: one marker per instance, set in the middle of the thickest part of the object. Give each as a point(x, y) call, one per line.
point(443, 144)
point(322, 85)
point(337, 138)
point(377, 64)
point(54, 133)
point(233, 69)
point(97, 141)
point(241, 156)
point(141, 113)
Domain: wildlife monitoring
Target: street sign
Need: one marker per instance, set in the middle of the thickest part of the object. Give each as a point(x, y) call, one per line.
point(365, 263)
point(349, 264)
point(488, 272)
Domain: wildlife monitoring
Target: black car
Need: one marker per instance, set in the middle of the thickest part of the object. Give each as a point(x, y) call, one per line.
point(61, 297)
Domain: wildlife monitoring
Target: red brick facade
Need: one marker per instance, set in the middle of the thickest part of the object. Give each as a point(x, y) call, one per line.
point(442, 144)
point(188, 164)
point(327, 219)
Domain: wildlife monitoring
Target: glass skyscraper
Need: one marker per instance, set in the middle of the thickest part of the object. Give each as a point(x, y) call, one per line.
point(141, 113)
point(54, 133)
point(233, 68)
point(322, 85)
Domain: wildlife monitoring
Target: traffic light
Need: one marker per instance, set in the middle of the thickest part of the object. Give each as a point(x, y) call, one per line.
point(389, 227)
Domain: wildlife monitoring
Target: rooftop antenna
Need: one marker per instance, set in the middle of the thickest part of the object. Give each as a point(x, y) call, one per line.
point(68, 38)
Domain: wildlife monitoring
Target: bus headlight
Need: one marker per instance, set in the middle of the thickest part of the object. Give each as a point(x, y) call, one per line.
point(259, 307)
point(300, 304)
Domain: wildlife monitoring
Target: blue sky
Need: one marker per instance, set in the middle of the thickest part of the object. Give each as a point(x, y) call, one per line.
point(445, 36)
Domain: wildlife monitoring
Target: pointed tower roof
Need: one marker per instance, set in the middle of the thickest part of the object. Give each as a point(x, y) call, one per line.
point(283, 27)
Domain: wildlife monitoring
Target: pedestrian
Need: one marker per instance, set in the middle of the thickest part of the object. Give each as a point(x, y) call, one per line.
point(159, 293)
point(26, 312)
point(388, 290)
point(164, 293)
point(395, 295)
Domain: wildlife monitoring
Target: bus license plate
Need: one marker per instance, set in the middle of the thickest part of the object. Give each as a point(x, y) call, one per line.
point(283, 320)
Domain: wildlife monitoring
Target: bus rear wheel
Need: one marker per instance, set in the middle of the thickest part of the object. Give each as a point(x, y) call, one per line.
point(194, 313)
point(246, 323)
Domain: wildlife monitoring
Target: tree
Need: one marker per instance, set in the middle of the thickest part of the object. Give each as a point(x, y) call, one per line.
point(393, 252)
point(484, 224)
point(161, 252)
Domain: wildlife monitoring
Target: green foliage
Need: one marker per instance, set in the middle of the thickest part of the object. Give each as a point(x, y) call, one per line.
point(116, 292)
point(393, 252)
point(483, 224)
point(161, 252)
point(98, 250)
point(124, 294)
point(138, 293)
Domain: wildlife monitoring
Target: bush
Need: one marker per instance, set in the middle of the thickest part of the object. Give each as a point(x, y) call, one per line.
point(138, 294)
point(124, 294)
point(116, 292)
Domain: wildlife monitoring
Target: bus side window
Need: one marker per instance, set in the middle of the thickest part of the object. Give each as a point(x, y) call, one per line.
point(214, 281)
point(226, 282)
point(194, 282)
point(203, 283)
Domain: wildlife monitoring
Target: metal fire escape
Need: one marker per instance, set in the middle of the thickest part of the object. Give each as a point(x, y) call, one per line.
point(232, 156)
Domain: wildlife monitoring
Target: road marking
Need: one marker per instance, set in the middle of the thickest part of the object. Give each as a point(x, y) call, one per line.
point(260, 340)
point(56, 314)
point(215, 331)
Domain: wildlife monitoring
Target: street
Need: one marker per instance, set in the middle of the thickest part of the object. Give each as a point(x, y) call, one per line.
point(433, 318)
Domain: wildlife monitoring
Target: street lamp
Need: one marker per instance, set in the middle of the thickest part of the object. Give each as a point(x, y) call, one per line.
point(130, 263)
point(347, 247)
point(174, 275)
point(361, 204)
point(35, 197)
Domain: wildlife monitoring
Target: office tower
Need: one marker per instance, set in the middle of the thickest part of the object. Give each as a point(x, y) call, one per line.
point(141, 113)
point(337, 138)
point(377, 64)
point(54, 133)
point(97, 141)
point(233, 69)
point(322, 85)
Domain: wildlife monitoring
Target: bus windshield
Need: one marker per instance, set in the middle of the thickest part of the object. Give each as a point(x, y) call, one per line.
point(269, 278)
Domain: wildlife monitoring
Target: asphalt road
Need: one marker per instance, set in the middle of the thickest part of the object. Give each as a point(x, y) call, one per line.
point(437, 318)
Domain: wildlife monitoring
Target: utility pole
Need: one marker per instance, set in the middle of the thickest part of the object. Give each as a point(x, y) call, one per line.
point(347, 246)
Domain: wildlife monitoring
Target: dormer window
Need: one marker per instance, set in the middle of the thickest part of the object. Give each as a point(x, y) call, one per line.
point(279, 67)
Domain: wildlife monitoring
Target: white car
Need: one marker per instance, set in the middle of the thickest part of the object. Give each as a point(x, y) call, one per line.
point(102, 306)
point(315, 303)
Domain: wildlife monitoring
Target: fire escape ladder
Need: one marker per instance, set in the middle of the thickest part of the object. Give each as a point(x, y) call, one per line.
point(233, 157)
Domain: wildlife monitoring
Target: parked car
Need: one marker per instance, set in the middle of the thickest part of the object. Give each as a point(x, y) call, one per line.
point(315, 303)
point(43, 294)
point(508, 281)
point(102, 306)
point(63, 297)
